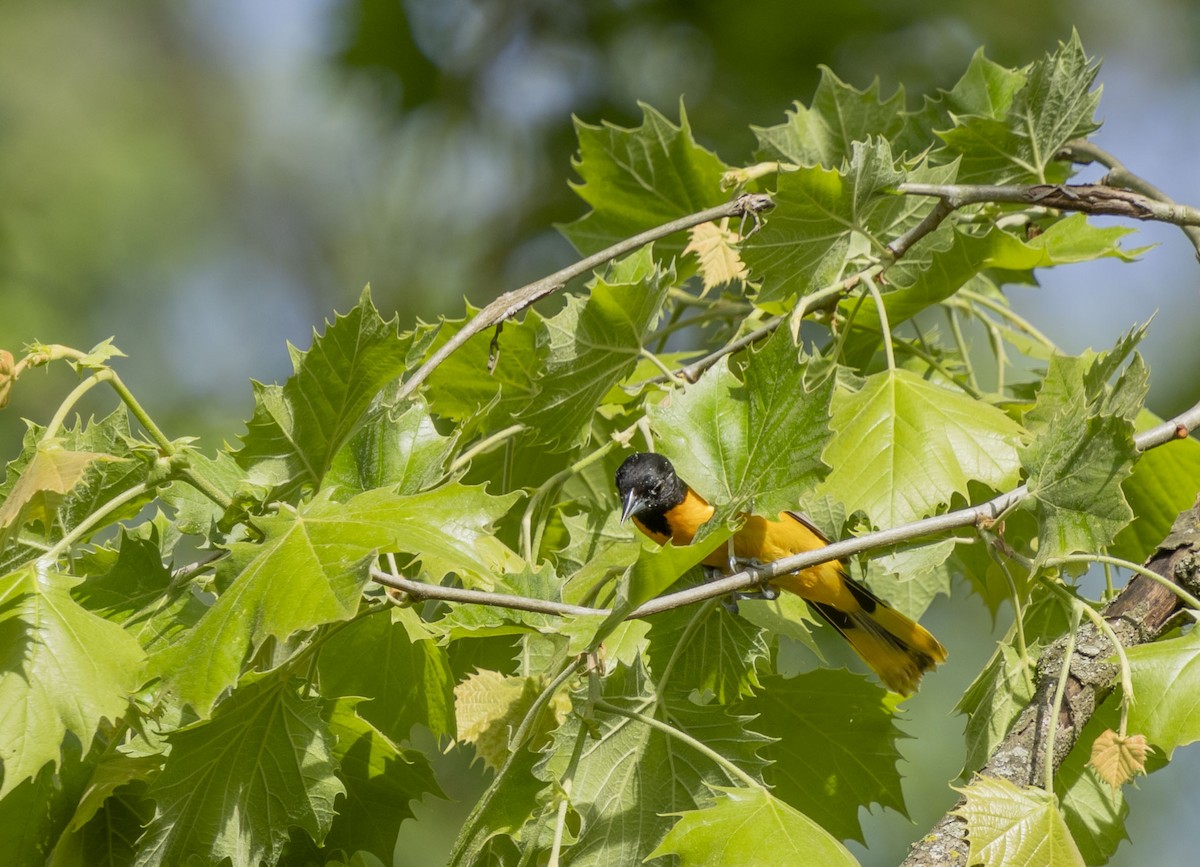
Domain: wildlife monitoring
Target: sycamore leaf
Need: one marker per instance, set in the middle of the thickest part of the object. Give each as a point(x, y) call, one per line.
point(64, 671)
point(635, 179)
point(822, 218)
point(715, 247)
point(592, 345)
point(1166, 681)
point(1010, 826)
point(311, 569)
point(1075, 470)
point(408, 679)
point(52, 472)
point(1055, 105)
point(381, 779)
point(481, 384)
point(1162, 485)
point(1118, 759)
point(489, 707)
point(706, 650)
point(911, 577)
point(397, 448)
point(993, 701)
point(902, 446)
point(754, 443)
point(986, 90)
point(97, 357)
point(734, 829)
point(833, 746)
point(630, 776)
point(297, 428)
point(222, 790)
point(839, 116)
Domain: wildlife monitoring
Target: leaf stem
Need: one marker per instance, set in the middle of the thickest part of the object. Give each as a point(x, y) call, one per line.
point(1059, 691)
point(888, 350)
point(1184, 595)
point(60, 416)
point(91, 521)
point(483, 445)
point(729, 767)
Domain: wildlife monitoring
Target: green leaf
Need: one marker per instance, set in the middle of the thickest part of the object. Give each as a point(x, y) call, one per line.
point(311, 569)
point(839, 116)
point(407, 679)
point(741, 825)
point(834, 746)
point(629, 775)
point(985, 90)
point(490, 706)
point(1161, 486)
point(234, 786)
point(910, 579)
point(1008, 825)
point(592, 345)
point(297, 428)
point(708, 651)
point(137, 592)
point(755, 443)
point(64, 671)
point(993, 701)
point(902, 446)
point(195, 513)
point(1075, 470)
point(1055, 105)
point(380, 779)
point(823, 218)
point(1166, 681)
point(635, 179)
point(465, 389)
point(397, 447)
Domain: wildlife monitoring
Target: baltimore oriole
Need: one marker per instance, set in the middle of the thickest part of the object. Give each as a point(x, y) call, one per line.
point(664, 507)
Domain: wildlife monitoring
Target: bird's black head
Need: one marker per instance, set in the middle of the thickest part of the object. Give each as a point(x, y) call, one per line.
point(648, 485)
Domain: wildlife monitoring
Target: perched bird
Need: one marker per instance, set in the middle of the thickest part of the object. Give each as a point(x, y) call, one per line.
point(664, 507)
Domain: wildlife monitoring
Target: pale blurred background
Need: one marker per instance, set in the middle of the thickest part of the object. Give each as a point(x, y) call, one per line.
point(204, 180)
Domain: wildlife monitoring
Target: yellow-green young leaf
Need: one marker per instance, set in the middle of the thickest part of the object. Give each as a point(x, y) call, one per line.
point(490, 706)
point(1166, 682)
point(239, 784)
point(838, 116)
point(635, 179)
point(1016, 827)
point(592, 345)
point(63, 670)
point(1118, 759)
point(743, 826)
point(902, 446)
point(754, 443)
point(51, 473)
point(716, 251)
point(834, 746)
point(381, 779)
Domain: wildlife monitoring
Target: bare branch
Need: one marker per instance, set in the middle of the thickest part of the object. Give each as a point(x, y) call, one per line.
point(1085, 198)
point(511, 303)
point(1177, 428)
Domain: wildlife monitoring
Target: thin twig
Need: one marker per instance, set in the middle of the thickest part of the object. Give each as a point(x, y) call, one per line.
point(983, 514)
point(511, 303)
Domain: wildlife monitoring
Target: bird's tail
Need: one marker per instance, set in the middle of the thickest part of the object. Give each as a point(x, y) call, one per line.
point(896, 647)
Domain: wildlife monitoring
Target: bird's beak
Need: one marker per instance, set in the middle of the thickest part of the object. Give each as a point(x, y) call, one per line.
point(632, 506)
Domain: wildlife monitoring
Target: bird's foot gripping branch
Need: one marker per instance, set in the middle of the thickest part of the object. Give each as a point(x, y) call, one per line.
point(821, 329)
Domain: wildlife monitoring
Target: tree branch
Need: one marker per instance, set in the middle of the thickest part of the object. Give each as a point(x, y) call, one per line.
point(511, 303)
point(1137, 616)
point(1085, 198)
point(983, 514)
